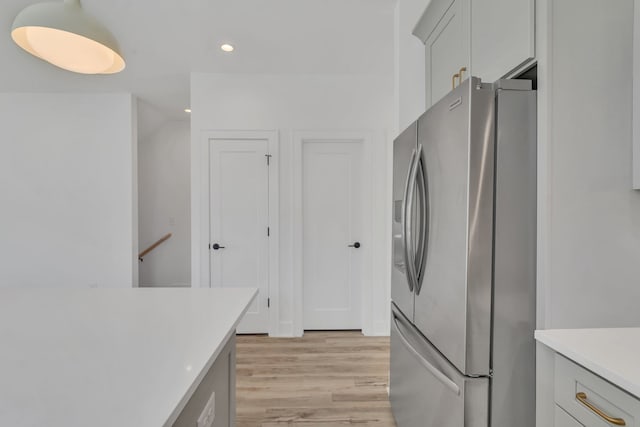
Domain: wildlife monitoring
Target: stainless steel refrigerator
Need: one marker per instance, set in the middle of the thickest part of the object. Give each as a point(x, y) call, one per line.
point(464, 261)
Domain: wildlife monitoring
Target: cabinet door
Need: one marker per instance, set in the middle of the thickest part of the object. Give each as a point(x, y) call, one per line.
point(503, 34)
point(562, 419)
point(447, 50)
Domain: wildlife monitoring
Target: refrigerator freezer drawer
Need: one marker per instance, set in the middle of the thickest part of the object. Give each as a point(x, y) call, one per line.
point(425, 389)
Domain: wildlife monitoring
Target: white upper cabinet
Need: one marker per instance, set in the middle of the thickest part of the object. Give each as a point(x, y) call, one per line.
point(490, 39)
point(446, 30)
point(502, 37)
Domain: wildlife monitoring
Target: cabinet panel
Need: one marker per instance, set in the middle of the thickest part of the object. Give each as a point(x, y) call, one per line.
point(502, 36)
point(221, 380)
point(562, 419)
point(447, 51)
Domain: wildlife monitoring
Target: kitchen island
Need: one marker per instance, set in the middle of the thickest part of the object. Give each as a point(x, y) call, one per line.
point(611, 353)
point(118, 357)
point(588, 377)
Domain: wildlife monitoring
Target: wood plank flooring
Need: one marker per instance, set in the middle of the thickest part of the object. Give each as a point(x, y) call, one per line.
point(322, 379)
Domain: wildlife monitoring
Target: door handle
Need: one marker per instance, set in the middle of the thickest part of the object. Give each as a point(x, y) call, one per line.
point(423, 186)
point(405, 222)
point(355, 245)
point(410, 254)
point(216, 246)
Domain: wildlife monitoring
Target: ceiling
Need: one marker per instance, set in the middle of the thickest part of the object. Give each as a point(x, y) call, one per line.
point(163, 41)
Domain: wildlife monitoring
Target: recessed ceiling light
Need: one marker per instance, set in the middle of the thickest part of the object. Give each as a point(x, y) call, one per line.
point(227, 47)
point(187, 110)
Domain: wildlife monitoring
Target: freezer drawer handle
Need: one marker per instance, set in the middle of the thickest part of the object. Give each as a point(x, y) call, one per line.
point(434, 371)
point(582, 398)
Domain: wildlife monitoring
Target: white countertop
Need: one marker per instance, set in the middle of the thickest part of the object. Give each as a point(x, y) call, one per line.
point(611, 353)
point(109, 357)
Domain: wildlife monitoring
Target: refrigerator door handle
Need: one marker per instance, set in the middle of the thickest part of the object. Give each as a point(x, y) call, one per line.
point(424, 362)
point(423, 246)
point(407, 239)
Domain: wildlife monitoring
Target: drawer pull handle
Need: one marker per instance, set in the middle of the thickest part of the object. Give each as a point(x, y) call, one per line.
point(582, 398)
point(461, 73)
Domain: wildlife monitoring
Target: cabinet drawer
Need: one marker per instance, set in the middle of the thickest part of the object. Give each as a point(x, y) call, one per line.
point(589, 398)
point(562, 419)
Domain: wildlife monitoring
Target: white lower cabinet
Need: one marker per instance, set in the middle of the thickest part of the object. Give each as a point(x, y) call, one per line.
point(562, 419)
point(583, 398)
point(213, 403)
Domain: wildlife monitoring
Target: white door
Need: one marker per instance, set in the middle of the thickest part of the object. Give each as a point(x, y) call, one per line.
point(239, 253)
point(333, 249)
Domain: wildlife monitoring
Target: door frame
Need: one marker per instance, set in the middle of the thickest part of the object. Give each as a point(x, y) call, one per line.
point(299, 138)
point(273, 144)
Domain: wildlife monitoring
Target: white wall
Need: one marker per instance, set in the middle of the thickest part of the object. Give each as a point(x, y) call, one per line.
point(589, 217)
point(299, 102)
point(164, 202)
point(410, 89)
point(68, 188)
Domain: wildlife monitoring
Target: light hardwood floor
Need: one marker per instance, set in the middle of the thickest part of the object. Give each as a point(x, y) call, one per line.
point(323, 379)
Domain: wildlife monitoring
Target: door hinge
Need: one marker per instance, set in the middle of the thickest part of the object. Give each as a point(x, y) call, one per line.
point(268, 302)
point(268, 231)
point(268, 156)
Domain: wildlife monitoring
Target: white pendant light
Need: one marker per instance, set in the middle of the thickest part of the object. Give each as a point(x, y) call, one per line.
point(62, 34)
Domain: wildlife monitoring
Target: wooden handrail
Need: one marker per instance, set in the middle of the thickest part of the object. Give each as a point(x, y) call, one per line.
point(155, 245)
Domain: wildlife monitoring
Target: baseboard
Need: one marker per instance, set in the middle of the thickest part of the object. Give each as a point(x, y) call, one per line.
point(381, 328)
point(285, 330)
point(166, 285)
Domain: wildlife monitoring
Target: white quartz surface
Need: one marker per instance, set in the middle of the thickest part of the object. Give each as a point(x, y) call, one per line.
point(613, 354)
point(109, 357)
